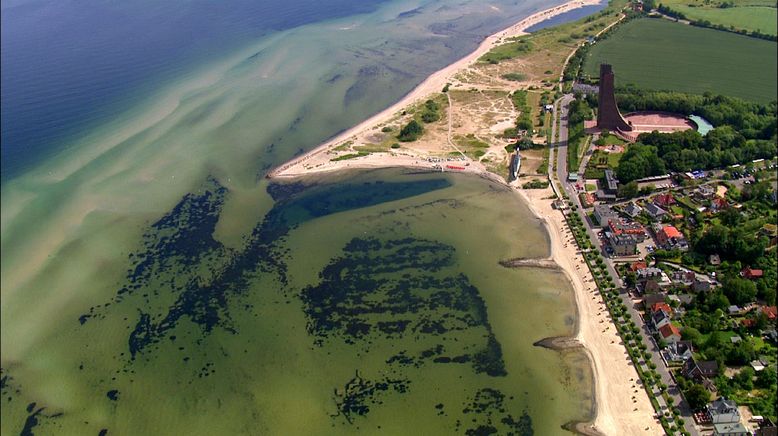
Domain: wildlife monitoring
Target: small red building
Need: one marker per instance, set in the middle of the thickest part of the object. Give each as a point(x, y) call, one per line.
point(751, 274)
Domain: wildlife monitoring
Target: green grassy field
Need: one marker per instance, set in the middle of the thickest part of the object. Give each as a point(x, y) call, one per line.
point(746, 14)
point(659, 54)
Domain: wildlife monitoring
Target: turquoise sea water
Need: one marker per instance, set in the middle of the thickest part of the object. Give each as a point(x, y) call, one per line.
point(154, 282)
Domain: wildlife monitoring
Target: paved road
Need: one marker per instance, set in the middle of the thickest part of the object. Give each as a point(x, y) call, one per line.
point(560, 147)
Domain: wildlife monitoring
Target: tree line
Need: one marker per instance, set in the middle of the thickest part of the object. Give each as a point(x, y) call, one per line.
point(744, 131)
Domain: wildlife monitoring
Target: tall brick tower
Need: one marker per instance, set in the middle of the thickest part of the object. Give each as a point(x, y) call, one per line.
point(608, 116)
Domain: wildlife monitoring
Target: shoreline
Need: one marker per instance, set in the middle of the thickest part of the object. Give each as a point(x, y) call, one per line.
point(433, 83)
point(615, 381)
point(608, 358)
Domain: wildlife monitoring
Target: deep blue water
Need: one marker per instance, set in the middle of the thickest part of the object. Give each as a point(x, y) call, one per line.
point(69, 65)
point(569, 16)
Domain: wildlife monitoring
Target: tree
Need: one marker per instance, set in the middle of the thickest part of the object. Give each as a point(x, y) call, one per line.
point(630, 279)
point(767, 378)
point(697, 396)
point(745, 378)
point(692, 334)
point(741, 354)
point(628, 190)
point(730, 217)
point(740, 291)
point(411, 132)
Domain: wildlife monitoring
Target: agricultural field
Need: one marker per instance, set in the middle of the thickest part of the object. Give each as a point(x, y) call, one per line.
point(750, 15)
point(663, 55)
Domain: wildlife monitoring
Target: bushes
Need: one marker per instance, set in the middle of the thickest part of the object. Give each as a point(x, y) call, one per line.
point(514, 77)
point(535, 184)
point(411, 132)
point(430, 112)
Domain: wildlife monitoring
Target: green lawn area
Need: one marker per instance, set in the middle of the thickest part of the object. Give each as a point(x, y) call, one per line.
point(663, 55)
point(746, 14)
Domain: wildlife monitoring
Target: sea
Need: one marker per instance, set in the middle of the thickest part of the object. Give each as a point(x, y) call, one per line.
point(154, 282)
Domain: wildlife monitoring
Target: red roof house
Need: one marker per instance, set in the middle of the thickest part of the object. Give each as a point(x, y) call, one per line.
point(669, 235)
point(664, 199)
point(662, 306)
point(718, 204)
point(670, 333)
point(637, 265)
point(751, 273)
point(771, 312)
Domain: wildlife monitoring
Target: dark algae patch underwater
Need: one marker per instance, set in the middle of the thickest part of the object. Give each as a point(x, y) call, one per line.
point(383, 323)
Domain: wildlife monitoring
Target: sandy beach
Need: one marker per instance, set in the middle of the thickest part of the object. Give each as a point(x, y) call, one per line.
point(622, 404)
point(434, 83)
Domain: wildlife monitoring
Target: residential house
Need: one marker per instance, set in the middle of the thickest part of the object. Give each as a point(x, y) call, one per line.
point(748, 322)
point(734, 310)
point(718, 204)
point(771, 312)
point(661, 306)
point(723, 411)
point(683, 277)
point(633, 210)
point(654, 211)
point(758, 365)
point(669, 333)
point(664, 200)
point(701, 372)
point(651, 287)
point(766, 428)
point(714, 260)
point(751, 274)
point(705, 192)
point(669, 237)
point(649, 273)
point(677, 352)
point(621, 226)
point(634, 266)
point(622, 245)
point(659, 319)
point(603, 214)
point(703, 283)
point(651, 299)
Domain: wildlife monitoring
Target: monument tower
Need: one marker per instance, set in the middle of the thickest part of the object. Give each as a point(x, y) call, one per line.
point(608, 115)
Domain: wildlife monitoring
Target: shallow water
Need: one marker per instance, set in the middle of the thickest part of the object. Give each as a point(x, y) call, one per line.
point(345, 307)
point(152, 280)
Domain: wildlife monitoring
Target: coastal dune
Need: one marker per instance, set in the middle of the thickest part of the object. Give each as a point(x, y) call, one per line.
point(434, 83)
